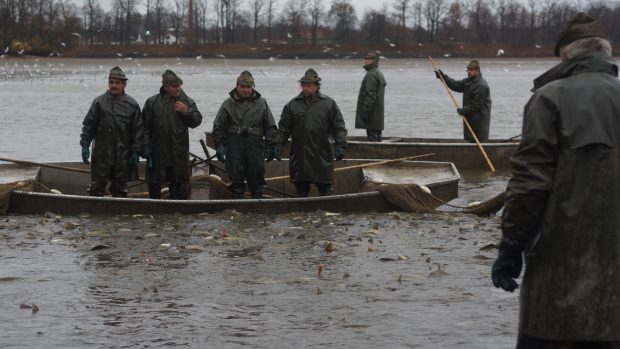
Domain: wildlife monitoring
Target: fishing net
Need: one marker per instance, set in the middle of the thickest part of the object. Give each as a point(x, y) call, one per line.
point(7, 188)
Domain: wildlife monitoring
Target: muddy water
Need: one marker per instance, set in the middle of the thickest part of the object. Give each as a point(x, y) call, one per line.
point(251, 281)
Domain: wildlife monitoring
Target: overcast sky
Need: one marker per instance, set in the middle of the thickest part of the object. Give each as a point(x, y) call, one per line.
point(360, 5)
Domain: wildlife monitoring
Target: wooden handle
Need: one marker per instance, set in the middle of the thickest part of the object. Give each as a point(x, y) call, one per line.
point(271, 179)
point(484, 153)
point(58, 167)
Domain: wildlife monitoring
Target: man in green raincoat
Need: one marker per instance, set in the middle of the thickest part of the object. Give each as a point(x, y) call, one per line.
point(114, 125)
point(241, 126)
point(563, 200)
point(167, 117)
point(370, 100)
point(310, 120)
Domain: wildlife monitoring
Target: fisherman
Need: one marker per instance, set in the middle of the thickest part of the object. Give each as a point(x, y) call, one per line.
point(564, 198)
point(311, 119)
point(476, 101)
point(242, 123)
point(370, 100)
point(167, 117)
point(114, 123)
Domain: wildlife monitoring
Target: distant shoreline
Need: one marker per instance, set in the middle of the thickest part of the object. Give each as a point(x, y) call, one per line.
point(303, 51)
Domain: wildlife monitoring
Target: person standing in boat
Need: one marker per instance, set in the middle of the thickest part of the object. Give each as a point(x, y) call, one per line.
point(241, 126)
point(476, 101)
point(167, 117)
point(114, 125)
point(370, 100)
point(311, 119)
point(563, 200)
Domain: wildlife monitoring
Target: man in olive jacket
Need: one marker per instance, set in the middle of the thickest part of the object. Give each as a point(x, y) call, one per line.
point(114, 125)
point(370, 100)
point(564, 198)
point(311, 119)
point(476, 101)
point(239, 131)
point(167, 117)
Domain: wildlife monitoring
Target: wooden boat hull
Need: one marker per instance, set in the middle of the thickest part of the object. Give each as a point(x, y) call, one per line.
point(462, 154)
point(73, 186)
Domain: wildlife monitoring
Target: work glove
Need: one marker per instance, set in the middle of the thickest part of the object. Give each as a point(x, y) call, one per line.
point(220, 153)
point(364, 116)
point(275, 153)
point(460, 111)
point(507, 267)
point(133, 159)
point(339, 153)
point(438, 74)
point(85, 155)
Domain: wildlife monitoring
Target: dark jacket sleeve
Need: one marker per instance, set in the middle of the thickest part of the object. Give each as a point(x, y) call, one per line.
point(192, 117)
point(147, 121)
point(476, 100)
point(370, 87)
point(339, 131)
point(220, 125)
point(137, 137)
point(533, 172)
point(269, 124)
point(454, 85)
point(89, 126)
point(284, 126)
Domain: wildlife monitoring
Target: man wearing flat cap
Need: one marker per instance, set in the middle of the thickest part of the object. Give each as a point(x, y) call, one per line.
point(370, 105)
point(476, 101)
point(168, 116)
point(241, 126)
point(310, 120)
point(114, 127)
point(561, 214)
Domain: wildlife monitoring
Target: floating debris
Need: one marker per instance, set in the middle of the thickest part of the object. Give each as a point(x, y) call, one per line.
point(99, 247)
point(320, 269)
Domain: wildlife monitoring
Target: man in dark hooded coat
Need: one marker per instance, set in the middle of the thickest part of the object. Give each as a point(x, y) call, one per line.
point(563, 202)
point(114, 125)
point(311, 119)
point(476, 101)
point(168, 116)
point(241, 126)
point(370, 100)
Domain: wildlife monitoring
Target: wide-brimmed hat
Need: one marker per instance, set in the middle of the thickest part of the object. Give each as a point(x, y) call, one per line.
point(245, 79)
point(170, 78)
point(473, 64)
point(311, 76)
point(580, 26)
point(117, 73)
point(373, 55)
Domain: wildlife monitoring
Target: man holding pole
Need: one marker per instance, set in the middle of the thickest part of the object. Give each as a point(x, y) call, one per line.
point(476, 101)
point(563, 200)
point(311, 119)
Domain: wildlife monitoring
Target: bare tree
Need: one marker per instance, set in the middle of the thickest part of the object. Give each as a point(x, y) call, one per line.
point(316, 13)
point(256, 8)
point(481, 20)
point(454, 20)
point(401, 7)
point(295, 12)
point(343, 15)
point(271, 9)
point(434, 10)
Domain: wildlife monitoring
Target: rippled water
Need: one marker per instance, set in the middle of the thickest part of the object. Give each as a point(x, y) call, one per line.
point(250, 281)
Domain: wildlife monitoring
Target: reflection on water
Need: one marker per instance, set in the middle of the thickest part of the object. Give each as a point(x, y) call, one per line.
point(228, 280)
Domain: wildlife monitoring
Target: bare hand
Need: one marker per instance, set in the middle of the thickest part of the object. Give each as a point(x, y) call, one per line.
point(180, 107)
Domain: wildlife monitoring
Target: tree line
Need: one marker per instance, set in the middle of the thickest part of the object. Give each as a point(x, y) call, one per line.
point(44, 26)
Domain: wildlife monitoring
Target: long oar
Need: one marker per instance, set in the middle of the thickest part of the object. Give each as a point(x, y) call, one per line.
point(272, 179)
point(58, 167)
point(464, 118)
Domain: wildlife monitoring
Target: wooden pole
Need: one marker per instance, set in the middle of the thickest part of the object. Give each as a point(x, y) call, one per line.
point(272, 179)
point(58, 167)
point(486, 157)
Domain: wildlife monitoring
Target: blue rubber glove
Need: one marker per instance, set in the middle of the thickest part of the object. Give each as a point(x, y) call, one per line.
point(339, 153)
point(134, 158)
point(506, 268)
point(220, 153)
point(85, 155)
point(275, 153)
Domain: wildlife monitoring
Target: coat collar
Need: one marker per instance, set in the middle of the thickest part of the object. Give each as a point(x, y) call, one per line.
point(233, 94)
point(590, 62)
point(371, 66)
point(319, 95)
